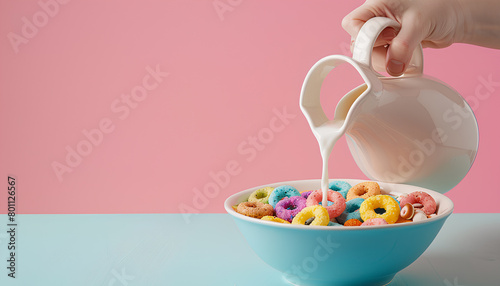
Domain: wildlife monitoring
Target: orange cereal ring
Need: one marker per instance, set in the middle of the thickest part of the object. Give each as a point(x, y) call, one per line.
point(353, 222)
point(275, 219)
point(235, 208)
point(363, 190)
point(255, 209)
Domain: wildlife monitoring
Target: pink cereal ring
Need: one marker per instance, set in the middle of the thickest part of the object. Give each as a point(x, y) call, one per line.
point(336, 198)
point(374, 221)
point(428, 202)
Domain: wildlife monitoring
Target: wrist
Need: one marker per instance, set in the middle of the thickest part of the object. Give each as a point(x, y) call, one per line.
point(465, 28)
point(481, 24)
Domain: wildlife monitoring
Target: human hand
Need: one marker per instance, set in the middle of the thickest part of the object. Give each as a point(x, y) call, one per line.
point(433, 23)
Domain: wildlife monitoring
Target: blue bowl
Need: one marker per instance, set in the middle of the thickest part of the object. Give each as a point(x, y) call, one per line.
point(327, 255)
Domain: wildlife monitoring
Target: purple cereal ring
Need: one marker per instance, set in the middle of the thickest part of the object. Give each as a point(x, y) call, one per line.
point(288, 208)
point(374, 221)
point(305, 194)
point(428, 202)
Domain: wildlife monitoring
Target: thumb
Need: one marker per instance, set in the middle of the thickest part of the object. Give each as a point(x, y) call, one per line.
point(401, 48)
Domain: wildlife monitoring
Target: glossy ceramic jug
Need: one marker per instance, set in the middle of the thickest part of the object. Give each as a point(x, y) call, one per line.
point(411, 129)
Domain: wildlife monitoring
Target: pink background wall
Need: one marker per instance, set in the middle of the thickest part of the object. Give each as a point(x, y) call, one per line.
point(204, 83)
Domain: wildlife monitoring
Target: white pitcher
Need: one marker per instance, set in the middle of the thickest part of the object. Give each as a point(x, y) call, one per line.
point(411, 129)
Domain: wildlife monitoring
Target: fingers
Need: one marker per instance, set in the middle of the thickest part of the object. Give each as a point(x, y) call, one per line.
point(385, 37)
point(353, 22)
point(378, 58)
point(402, 46)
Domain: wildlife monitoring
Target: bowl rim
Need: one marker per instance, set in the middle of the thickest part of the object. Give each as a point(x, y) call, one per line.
point(440, 198)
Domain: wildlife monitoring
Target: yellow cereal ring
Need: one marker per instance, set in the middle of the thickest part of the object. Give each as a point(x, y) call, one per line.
point(391, 206)
point(319, 213)
point(261, 195)
point(275, 219)
point(363, 190)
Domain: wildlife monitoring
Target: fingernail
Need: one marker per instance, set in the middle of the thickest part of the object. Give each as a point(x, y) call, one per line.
point(395, 67)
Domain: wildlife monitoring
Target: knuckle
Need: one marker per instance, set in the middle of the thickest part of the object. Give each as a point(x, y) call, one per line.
point(345, 22)
point(402, 44)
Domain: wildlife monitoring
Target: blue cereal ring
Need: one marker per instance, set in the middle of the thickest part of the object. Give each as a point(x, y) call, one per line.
point(341, 187)
point(351, 210)
point(328, 203)
point(280, 192)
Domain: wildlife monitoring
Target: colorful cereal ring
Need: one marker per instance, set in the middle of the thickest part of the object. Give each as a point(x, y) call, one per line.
point(336, 198)
point(407, 212)
point(288, 208)
point(367, 209)
point(374, 221)
point(261, 195)
point(255, 209)
point(328, 204)
point(280, 192)
point(351, 210)
point(363, 190)
point(305, 194)
point(428, 202)
point(319, 213)
point(353, 222)
point(275, 219)
point(396, 198)
point(341, 187)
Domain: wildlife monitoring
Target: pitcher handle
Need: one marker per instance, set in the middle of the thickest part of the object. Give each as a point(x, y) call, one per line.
point(365, 41)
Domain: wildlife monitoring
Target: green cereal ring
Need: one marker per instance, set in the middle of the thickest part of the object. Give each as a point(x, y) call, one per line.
point(261, 195)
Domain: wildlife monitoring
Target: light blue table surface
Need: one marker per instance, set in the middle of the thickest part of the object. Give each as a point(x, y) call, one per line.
point(162, 249)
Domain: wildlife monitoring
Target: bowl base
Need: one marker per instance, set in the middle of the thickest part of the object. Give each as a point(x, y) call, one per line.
point(379, 281)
